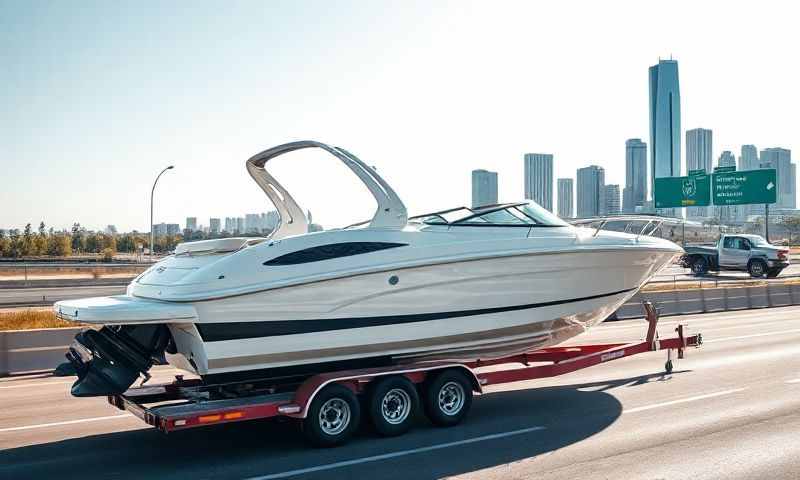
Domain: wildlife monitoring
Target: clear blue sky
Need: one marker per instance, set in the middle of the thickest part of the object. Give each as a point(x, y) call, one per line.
point(98, 97)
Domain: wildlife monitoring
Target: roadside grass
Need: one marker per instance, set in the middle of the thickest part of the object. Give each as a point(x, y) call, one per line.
point(30, 319)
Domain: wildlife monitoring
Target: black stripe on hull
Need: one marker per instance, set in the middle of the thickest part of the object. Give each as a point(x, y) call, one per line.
point(222, 331)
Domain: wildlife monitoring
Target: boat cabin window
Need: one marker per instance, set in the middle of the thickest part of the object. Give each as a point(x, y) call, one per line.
point(328, 252)
point(525, 214)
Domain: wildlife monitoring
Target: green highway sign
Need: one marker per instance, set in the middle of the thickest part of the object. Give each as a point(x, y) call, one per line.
point(730, 168)
point(694, 173)
point(744, 187)
point(692, 191)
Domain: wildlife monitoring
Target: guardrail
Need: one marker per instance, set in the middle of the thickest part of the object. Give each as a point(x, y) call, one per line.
point(27, 274)
point(28, 351)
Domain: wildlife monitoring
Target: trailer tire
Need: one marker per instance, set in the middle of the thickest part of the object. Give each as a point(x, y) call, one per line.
point(757, 268)
point(447, 397)
point(392, 403)
point(333, 416)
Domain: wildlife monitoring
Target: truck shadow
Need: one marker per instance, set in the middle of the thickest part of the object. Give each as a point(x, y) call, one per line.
point(567, 414)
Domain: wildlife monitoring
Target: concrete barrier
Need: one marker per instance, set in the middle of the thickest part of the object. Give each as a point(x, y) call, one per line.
point(707, 300)
point(26, 351)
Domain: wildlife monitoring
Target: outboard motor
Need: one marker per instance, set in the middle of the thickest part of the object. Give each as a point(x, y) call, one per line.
point(109, 360)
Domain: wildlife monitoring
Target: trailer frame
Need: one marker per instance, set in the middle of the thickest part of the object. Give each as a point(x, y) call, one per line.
point(184, 404)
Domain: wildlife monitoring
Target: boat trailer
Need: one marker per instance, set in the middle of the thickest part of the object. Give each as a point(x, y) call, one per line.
point(323, 402)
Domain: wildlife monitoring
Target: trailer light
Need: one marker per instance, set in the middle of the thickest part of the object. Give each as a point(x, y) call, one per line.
point(290, 408)
point(209, 418)
point(179, 423)
point(233, 415)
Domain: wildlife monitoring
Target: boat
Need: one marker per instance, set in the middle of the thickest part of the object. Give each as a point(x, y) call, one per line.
point(462, 284)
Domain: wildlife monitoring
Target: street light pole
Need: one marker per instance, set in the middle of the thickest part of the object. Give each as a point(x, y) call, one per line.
point(152, 191)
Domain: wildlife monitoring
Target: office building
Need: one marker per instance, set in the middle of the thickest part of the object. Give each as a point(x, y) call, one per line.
point(699, 143)
point(635, 191)
point(539, 179)
point(612, 206)
point(484, 188)
point(665, 121)
point(781, 160)
point(191, 223)
point(214, 225)
point(164, 229)
point(726, 159)
point(748, 160)
point(565, 195)
point(590, 191)
point(230, 224)
point(240, 225)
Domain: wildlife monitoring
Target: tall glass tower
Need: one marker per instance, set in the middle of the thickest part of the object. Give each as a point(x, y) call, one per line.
point(539, 179)
point(665, 121)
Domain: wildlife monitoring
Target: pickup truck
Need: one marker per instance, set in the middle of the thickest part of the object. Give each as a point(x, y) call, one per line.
point(746, 253)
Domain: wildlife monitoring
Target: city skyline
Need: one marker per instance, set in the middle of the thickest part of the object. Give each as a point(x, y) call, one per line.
point(405, 114)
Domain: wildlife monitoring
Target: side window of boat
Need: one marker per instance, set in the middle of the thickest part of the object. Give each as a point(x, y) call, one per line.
point(328, 252)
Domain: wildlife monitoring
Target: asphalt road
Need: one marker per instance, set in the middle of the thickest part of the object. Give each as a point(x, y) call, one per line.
point(11, 297)
point(730, 410)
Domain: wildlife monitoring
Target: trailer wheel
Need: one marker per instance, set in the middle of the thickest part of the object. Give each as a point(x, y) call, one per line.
point(332, 417)
point(393, 402)
point(448, 398)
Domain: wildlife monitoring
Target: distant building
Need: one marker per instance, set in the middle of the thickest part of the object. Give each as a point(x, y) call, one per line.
point(591, 191)
point(635, 191)
point(539, 179)
point(699, 143)
point(191, 224)
point(214, 225)
point(565, 195)
point(230, 224)
point(252, 223)
point(484, 188)
point(665, 121)
point(612, 206)
point(749, 158)
point(240, 225)
point(166, 229)
point(111, 230)
point(727, 159)
point(781, 160)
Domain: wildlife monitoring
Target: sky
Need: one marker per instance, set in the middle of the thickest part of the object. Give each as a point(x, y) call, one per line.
point(98, 97)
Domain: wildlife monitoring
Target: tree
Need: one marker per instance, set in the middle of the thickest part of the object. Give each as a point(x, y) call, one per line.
point(40, 241)
point(59, 245)
point(78, 238)
point(28, 246)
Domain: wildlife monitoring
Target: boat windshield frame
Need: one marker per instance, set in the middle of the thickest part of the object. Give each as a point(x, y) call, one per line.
point(527, 218)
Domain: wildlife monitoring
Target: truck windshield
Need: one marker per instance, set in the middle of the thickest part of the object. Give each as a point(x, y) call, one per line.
point(757, 240)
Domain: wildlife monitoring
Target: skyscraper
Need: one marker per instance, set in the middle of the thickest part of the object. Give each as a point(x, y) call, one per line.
point(699, 142)
point(781, 160)
point(665, 121)
point(214, 225)
point(749, 158)
point(726, 159)
point(635, 191)
point(230, 224)
point(191, 224)
point(539, 179)
point(591, 191)
point(565, 207)
point(611, 200)
point(484, 188)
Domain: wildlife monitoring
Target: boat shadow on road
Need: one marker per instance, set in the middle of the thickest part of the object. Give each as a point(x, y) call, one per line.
point(568, 414)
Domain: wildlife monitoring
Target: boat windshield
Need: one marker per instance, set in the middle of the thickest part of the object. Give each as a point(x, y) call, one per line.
point(527, 214)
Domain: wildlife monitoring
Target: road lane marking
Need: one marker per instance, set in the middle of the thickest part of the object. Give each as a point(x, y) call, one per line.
point(68, 422)
point(754, 335)
point(32, 385)
point(401, 453)
point(796, 380)
point(683, 400)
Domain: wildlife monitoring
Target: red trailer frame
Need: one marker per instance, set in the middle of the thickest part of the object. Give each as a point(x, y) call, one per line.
point(186, 404)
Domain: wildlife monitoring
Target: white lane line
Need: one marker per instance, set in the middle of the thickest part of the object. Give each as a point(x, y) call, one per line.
point(796, 380)
point(754, 335)
point(401, 453)
point(68, 422)
point(32, 385)
point(682, 400)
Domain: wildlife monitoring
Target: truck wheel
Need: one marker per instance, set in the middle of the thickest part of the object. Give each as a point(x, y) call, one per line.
point(757, 268)
point(448, 398)
point(700, 266)
point(393, 402)
point(332, 417)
